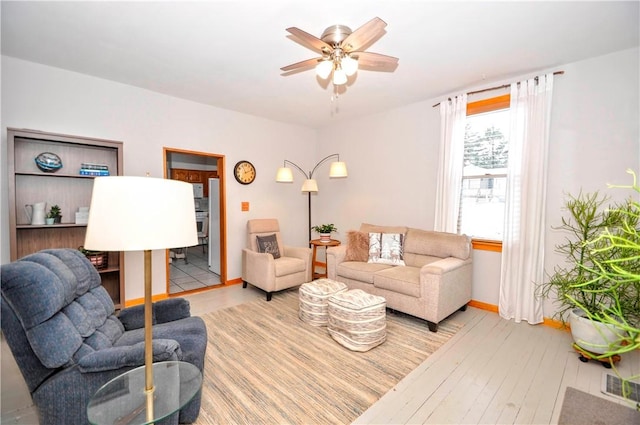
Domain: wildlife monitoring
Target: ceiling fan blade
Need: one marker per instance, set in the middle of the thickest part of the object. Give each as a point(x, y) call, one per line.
point(302, 64)
point(370, 59)
point(310, 41)
point(364, 35)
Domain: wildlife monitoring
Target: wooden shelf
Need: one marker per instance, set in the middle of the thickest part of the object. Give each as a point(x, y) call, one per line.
point(48, 226)
point(59, 175)
point(109, 270)
point(66, 187)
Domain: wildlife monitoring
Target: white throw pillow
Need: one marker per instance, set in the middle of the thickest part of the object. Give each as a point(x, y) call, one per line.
point(386, 248)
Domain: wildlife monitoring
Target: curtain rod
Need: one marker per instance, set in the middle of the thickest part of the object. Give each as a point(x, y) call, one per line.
point(496, 88)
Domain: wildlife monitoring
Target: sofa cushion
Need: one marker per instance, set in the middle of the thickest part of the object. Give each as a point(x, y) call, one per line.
point(417, 260)
point(289, 265)
point(268, 244)
point(386, 248)
point(58, 298)
point(262, 227)
point(58, 281)
point(358, 270)
point(374, 228)
point(437, 244)
point(403, 280)
point(357, 246)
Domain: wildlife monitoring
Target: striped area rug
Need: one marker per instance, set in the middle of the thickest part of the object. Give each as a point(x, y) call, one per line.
point(265, 366)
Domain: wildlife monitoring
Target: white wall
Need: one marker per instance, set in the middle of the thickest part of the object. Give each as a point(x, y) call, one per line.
point(51, 99)
point(392, 162)
point(594, 136)
point(392, 156)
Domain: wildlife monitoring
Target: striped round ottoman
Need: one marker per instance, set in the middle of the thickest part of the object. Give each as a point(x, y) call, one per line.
point(313, 300)
point(357, 320)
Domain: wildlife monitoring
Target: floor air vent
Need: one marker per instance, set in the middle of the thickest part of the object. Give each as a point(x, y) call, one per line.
point(612, 385)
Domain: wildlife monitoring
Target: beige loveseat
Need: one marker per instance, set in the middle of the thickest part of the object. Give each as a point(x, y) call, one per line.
point(434, 282)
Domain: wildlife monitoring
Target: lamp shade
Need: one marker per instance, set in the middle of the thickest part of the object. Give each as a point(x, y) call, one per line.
point(140, 213)
point(338, 169)
point(310, 185)
point(284, 175)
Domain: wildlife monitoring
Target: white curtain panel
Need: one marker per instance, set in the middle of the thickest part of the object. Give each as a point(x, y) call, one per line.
point(453, 115)
point(523, 242)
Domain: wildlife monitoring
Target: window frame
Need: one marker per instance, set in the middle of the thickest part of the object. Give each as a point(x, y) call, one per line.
point(479, 107)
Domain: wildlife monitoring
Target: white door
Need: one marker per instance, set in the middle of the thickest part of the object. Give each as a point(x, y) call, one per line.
point(214, 226)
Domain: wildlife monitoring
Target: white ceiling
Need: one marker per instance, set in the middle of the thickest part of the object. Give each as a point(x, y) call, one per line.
point(229, 53)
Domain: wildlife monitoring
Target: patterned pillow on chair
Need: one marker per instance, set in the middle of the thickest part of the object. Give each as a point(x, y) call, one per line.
point(268, 244)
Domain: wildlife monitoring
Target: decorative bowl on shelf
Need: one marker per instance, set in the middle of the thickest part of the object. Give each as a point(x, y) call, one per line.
point(48, 162)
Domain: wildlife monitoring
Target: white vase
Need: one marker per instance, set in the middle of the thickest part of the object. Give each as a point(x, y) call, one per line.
point(593, 336)
point(325, 237)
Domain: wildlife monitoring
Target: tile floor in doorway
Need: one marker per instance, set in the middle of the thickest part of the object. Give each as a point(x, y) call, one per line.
point(192, 274)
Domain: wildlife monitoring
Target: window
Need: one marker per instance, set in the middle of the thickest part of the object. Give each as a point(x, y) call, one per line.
point(482, 199)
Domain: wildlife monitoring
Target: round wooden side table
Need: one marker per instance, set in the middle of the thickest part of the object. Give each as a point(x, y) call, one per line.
point(315, 243)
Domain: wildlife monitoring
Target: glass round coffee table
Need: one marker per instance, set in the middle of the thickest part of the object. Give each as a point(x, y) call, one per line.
point(123, 400)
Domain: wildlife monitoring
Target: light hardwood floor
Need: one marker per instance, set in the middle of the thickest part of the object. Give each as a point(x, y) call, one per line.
point(492, 371)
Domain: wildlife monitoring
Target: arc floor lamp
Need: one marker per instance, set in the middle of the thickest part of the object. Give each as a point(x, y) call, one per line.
point(285, 175)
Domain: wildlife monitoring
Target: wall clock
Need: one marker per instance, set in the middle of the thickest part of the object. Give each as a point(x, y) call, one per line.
point(244, 172)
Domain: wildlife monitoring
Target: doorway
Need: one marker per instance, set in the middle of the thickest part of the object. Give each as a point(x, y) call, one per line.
point(203, 266)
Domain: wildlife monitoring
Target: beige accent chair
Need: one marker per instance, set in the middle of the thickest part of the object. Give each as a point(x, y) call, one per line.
point(293, 268)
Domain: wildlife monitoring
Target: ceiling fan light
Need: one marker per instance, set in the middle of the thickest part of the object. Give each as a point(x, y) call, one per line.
point(350, 65)
point(324, 68)
point(339, 77)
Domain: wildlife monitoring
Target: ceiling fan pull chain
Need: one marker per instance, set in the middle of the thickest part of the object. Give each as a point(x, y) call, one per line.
point(335, 101)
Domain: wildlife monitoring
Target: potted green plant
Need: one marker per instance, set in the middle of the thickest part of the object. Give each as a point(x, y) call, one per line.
point(325, 231)
point(55, 214)
point(620, 264)
point(580, 287)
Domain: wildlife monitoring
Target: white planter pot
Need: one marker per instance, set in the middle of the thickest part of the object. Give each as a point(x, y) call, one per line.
point(594, 337)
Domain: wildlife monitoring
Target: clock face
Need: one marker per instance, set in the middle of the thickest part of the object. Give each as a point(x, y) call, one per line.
point(244, 172)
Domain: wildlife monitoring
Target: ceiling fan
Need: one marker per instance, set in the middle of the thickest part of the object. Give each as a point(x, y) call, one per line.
point(342, 51)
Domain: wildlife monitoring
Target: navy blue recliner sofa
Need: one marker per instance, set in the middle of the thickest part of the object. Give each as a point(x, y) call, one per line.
point(61, 326)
